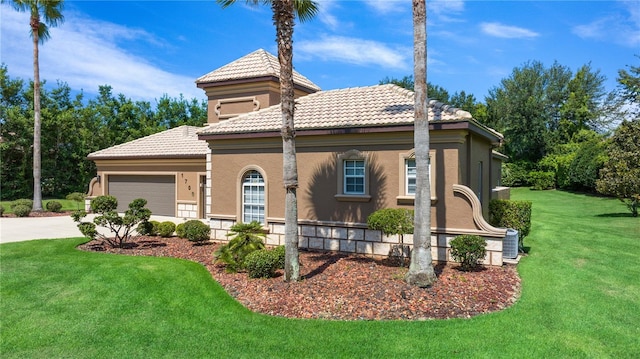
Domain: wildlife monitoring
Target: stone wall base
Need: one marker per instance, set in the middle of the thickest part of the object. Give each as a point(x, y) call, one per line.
point(358, 239)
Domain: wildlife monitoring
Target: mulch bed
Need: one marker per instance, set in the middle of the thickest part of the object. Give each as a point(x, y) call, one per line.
point(346, 287)
point(37, 214)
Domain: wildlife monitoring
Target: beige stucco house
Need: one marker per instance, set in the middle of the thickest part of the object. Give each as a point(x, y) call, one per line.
point(355, 155)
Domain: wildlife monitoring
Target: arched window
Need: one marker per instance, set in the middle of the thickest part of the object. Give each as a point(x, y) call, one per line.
point(253, 197)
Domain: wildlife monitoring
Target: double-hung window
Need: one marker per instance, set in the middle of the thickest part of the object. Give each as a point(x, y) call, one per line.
point(253, 197)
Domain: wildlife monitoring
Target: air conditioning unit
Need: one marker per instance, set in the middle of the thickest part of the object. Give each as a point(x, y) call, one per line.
point(510, 244)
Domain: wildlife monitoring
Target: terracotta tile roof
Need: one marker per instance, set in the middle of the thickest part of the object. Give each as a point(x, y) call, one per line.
point(373, 106)
point(259, 63)
point(177, 142)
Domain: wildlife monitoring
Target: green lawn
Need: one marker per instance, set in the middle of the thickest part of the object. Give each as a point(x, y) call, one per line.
point(67, 205)
point(580, 298)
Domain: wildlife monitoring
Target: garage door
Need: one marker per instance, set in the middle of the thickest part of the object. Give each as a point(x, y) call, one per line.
point(159, 191)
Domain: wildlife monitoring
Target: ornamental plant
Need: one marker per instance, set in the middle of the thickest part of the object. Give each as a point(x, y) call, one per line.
point(22, 202)
point(54, 206)
point(264, 263)
point(166, 229)
point(247, 238)
point(504, 213)
point(121, 227)
point(21, 210)
point(195, 231)
point(468, 250)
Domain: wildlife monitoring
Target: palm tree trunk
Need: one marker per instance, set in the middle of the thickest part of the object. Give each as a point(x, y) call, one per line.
point(421, 271)
point(283, 12)
point(37, 157)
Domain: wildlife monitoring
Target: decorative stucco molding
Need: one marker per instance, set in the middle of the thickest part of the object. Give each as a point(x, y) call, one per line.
point(252, 99)
point(476, 207)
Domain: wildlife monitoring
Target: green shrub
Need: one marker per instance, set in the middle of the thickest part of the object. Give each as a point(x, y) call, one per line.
point(196, 231)
point(511, 214)
point(468, 250)
point(166, 229)
point(180, 230)
point(247, 237)
point(104, 204)
point(121, 227)
point(542, 180)
point(148, 228)
point(22, 202)
point(263, 263)
point(88, 229)
point(21, 210)
point(54, 206)
point(279, 253)
point(391, 221)
point(1, 210)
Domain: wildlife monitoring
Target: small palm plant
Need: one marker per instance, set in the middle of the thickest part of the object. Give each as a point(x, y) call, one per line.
point(247, 237)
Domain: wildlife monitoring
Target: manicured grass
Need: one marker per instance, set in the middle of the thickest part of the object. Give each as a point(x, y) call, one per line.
point(580, 298)
point(67, 205)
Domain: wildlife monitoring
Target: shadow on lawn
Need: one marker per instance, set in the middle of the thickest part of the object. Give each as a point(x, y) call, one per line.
point(615, 215)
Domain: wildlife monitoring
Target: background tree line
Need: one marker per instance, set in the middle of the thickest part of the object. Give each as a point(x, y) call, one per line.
point(557, 124)
point(72, 127)
point(558, 127)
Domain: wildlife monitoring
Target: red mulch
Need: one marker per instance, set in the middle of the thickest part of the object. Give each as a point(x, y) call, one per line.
point(346, 287)
point(36, 214)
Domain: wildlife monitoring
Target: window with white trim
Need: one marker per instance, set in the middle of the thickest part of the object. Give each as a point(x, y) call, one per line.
point(253, 197)
point(410, 176)
point(407, 177)
point(352, 168)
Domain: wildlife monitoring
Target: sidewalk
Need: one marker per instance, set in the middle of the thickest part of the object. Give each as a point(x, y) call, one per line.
point(29, 228)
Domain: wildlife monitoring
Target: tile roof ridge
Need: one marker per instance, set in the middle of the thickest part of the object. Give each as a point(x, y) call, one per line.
point(435, 104)
point(400, 90)
point(265, 58)
point(144, 138)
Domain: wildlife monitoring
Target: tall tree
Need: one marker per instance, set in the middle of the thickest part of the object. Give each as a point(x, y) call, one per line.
point(284, 13)
point(50, 12)
point(421, 271)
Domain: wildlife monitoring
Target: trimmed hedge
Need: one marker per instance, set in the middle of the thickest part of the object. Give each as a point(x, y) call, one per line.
point(392, 221)
point(195, 231)
point(54, 206)
point(166, 229)
point(263, 263)
point(21, 210)
point(511, 214)
point(468, 250)
point(21, 202)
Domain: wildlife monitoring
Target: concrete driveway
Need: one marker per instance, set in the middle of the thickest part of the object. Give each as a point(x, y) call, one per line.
point(29, 228)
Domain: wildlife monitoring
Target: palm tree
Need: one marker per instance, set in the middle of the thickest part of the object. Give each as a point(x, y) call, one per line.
point(421, 271)
point(284, 13)
point(50, 11)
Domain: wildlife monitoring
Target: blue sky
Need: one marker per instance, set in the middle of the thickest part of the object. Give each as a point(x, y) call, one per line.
point(145, 49)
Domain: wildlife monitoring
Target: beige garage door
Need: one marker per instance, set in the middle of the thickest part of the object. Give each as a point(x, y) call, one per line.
point(159, 191)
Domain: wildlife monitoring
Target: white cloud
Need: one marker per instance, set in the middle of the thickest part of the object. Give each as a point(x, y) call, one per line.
point(621, 28)
point(506, 31)
point(388, 6)
point(355, 51)
point(86, 54)
point(326, 16)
